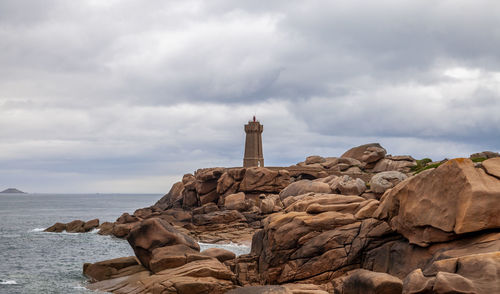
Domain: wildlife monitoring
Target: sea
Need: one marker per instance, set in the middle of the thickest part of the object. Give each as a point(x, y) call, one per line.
point(34, 261)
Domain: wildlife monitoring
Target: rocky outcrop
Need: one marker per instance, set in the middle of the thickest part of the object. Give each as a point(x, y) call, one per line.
point(485, 155)
point(436, 205)
point(315, 237)
point(197, 276)
point(317, 227)
point(76, 226)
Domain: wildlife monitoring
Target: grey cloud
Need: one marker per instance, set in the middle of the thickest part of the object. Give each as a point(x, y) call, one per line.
point(123, 92)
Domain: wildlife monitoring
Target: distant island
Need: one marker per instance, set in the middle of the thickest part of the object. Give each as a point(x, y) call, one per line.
point(12, 191)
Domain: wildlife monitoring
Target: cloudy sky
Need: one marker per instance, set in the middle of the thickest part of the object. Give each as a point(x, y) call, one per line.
point(126, 96)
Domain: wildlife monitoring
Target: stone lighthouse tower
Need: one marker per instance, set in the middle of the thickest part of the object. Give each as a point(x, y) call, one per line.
point(253, 144)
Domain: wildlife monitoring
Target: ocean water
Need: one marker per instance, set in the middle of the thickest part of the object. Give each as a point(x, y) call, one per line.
point(33, 261)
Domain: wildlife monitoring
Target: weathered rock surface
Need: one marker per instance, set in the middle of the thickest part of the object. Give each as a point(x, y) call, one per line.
point(259, 179)
point(314, 238)
point(199, 276)
point(303, 187)
point(395, 163)
point(367, 153)
point(219, 253)
point(479, 273)
point(492, 167)
point(347, 185)
point(367, 282)
point(113, 268)
point(154, 233)
point(435, 205)
point(386, 180)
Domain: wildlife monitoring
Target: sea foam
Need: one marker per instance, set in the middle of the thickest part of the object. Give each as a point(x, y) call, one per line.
point(37, 230)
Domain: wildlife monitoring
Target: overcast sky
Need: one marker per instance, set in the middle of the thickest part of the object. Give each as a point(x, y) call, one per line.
point(126, 96)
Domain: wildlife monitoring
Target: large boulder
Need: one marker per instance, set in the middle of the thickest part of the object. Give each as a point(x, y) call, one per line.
point(492, 167)
point(395, 163)
point(347, 185)
point(236, 202)
point(170, 257)
point(113, 268)
point(383, 181)
point(367, 153)
point(314, 159)
point(153, 233)
point(303, 187)
point(435, 205)
point(260, 179)
point(367, 282)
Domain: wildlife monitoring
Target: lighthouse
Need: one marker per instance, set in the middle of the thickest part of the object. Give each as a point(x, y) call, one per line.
point(253, 144)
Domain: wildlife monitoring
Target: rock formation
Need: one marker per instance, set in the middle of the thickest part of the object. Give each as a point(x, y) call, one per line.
point(365, 222)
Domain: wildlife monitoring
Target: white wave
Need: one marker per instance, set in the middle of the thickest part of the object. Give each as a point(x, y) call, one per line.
point(8, 282)
point(238, 249)
point(94, 231)
point(37, 230)
point(79, 287)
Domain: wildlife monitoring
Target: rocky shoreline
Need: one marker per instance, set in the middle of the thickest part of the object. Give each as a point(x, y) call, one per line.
point(365, 222)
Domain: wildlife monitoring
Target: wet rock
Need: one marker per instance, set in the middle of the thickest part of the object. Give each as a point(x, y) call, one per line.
point(56, 228)
point(106, 228)
point(75, 226)
point(90, 225)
